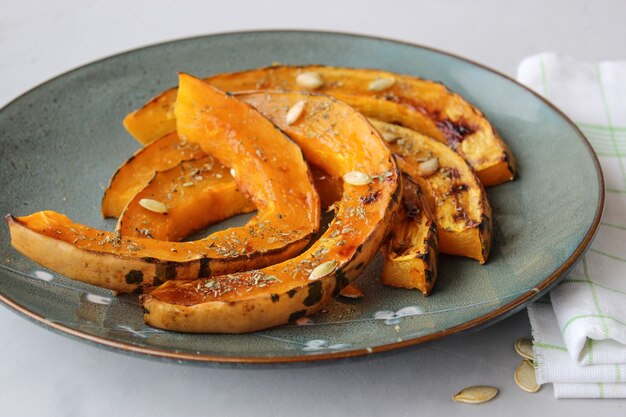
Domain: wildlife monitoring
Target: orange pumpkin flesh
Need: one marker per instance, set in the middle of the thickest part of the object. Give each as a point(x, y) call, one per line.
point(422, 105)
point(461, 209)
point(339, 140)
point(280, 186)
point(199, 193)
point(161, 154)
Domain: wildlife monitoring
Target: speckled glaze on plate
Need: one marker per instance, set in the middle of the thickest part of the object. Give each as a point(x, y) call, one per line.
point(62, 140)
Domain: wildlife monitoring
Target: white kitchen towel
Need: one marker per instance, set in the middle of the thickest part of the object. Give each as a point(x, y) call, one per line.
point(580, 338)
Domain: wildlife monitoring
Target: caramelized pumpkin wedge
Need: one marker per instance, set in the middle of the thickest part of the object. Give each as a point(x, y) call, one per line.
point(461, 210)
point(411, 251)
point(425, 106)
point(161, 154)
point(198, 193)
point(279, 184)
point(459, 202)
point(340, 141)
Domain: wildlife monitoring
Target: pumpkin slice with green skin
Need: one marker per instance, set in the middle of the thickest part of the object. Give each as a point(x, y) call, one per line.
point(458, 200)
point(411, 250)
point(232, 131)
point(161, 154)
point(198, 193)
point(337, 139)
point(425, 106)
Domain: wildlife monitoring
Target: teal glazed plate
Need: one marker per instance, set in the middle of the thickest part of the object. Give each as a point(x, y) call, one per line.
point(62, 141)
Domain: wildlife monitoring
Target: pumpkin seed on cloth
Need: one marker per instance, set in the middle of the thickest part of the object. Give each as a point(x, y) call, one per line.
point(476, 394)
point(525, 377)
point(524, 348)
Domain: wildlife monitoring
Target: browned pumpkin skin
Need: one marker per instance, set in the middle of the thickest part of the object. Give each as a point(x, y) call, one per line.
point(454, 193)
point(411, 250)
point(281, 188)
point(339, 140)
point(425, 106)
point(125, 264)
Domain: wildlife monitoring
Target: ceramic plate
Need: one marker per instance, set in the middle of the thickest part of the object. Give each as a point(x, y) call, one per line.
point(62, 140)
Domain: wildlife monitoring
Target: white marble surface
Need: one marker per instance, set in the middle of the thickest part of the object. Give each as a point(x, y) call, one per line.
point(44, 374)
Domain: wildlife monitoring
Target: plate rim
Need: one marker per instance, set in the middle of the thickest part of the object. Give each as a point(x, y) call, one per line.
point(477, 323)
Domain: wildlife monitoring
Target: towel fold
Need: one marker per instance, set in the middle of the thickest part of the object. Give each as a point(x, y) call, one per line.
point(580, 331)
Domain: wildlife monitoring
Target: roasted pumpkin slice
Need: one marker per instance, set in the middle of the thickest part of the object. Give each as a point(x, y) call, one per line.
point(161, 154)
point(411, 251)
point(278, 183)
point(342, 143)
point(198, 193)
point(425, 106)
point(459, 202)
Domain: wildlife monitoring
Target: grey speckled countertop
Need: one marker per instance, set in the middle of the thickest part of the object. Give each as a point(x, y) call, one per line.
point(45, 374)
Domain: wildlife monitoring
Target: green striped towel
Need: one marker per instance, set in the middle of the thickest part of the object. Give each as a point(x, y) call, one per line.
point(580, 335)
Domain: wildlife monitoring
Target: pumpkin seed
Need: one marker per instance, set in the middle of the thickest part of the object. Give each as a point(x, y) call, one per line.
point(380, 84)
point(233, 173)
point(153, 205)
point(524, 347)
point(351, 291)
point(322, 270)
point(187, 184)
point(295, 112)
point(525, 377)
point(357, 178)
point(310, 80)
point(475, 394)
point(390, 137)
point(428, 168)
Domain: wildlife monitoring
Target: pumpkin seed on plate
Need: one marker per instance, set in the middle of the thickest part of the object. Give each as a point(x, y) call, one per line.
point(475, 394)
point(380, 84)
point(153, 205)
point(294, 112)
point(310, 80)
point(524, 348)
point(322, 270)
point(525, 377)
